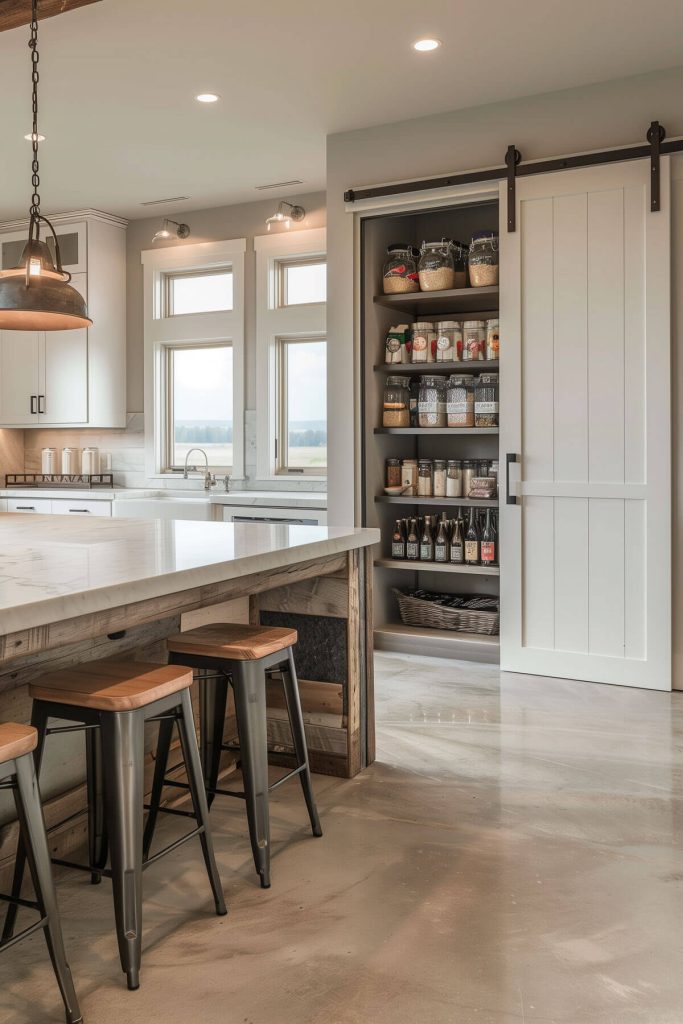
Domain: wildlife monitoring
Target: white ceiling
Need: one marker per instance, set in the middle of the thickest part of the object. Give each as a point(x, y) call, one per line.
point(118, 80)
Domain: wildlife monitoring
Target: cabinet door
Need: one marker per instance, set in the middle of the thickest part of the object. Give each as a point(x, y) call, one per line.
point(19, 358)
point(585, 379)
point(72, 246)
point(63, 395)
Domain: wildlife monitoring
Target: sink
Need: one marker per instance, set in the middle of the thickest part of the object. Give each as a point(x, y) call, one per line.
point(165, 506)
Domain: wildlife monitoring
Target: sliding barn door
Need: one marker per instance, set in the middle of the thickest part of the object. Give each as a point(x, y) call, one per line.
point(585, 378)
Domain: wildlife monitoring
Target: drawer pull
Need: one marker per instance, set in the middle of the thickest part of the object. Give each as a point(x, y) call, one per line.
point(26, 508)
point(86, 510)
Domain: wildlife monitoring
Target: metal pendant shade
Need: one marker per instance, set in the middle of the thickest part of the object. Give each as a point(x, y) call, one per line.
point(36, 295)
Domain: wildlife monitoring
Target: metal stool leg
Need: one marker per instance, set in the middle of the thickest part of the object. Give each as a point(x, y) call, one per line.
point(123, 756)
point(213, 700)
point(32, 824)
point(249, 684)
point(97, 833)
point(193, 767)
point(296, 722)
point(160, 768)
point(39, 719)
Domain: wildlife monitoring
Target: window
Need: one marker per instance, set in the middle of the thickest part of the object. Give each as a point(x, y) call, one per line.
point(199, 404)
point(302, 282)
point(199, 292)
point(301, 443)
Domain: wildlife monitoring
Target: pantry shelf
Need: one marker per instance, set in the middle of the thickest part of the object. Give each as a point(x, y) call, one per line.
point(443, 431)
point(417, 566)
point(462, 366)
point(409, 499)
point(420, 640)
point(455, 300)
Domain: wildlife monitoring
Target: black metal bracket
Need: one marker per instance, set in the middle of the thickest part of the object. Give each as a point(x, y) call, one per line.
point(512, 158)
point(655, 136)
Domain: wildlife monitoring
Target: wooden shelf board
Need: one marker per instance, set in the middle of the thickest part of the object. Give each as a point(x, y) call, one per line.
point(462, 366)
point(446, 643)
point(402, 499)
point(443, 431)
point(454, 300)
point(456, 570)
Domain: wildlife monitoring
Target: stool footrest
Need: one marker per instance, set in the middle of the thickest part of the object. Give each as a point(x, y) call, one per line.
point(173, 846)
point(285, 778)
point(6, 943)
point(19, 902)
point(173, 810)
point(91, 869)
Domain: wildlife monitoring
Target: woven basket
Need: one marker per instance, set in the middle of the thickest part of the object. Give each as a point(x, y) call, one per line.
point(415, 612)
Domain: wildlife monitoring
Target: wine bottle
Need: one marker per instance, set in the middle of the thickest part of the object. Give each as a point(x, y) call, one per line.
point(488, 542)
point(457, 553)
point(412, 542)
point(441, 541)
point(427, 542)
point(398, 541)
point(472, 541)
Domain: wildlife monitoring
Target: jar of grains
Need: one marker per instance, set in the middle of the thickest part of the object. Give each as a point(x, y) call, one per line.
point(431, 402)
point(460, 401)
point(468, 474)
point(425, 478)
point(454, 478)
point(436, 269)
point(409, 476)
point(483, 259)
point(424, 342)
point(492, 339)
point(439, 478)
point(473, 340)
point(448, 341)
point(459, 252)
point(400, 269)
point(393, 473)
point(486, 400)
point(396, 412)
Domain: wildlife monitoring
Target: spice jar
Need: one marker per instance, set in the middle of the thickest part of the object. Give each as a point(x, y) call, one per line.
point(431, 402)
point(400, 269)
point(473, 340)
point(448, 341)
point(409, 476)
point(395, 407)
point(460, 401)
point(424, 342)
point(468, 474)
point(454, 478)
point(492, 339)
point(486, 400)
point(483, 259)
point(425, 478)
point(439, 478)
point(459, 252)
point(393, 472)
point(436, 269)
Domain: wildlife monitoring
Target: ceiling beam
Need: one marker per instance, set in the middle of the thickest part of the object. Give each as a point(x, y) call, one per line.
point(15, 13)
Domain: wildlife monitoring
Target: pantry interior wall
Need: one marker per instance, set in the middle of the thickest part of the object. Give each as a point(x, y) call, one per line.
point(591, 118)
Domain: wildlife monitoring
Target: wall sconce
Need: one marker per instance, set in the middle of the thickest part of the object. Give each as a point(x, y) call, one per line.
point(182, 230)
point(285, 214)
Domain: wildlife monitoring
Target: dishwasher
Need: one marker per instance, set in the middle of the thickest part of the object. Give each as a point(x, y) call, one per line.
point(281, 516)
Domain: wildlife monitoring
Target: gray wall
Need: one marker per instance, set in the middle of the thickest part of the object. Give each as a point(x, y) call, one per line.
point(243, 221)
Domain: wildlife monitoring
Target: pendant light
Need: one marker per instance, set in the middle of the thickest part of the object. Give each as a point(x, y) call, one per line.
point(36, 295)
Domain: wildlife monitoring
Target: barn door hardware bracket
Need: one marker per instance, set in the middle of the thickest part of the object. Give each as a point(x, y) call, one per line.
point(655, 136)
point(512, 158)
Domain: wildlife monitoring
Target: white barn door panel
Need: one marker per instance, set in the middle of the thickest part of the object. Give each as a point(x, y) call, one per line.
point(585, 379)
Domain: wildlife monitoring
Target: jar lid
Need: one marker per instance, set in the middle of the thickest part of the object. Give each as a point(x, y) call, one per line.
point(396, 247)
point(455, 462)
point(434, 382)
point(423, 325)
point(397, 382)
point(424, 462)
point(409, 462)
point(472, 324)
point(488, 378)
point(393, 462)
point(462, 380)
point(441, 463)
point(447, 325)
point(493, 322)
point(484, 236)
point(443, 244)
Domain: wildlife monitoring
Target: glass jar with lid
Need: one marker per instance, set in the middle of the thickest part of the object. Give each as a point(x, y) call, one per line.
point(483, 259)
point(423, 342)
point(492, 339)
point(473, 340)
point(486, 400)
point(454, 478)
point(448, 341)
point(436, 269)
point(425, 478)
point(460, 401)
point(459, 252)
point(431, 402)
point(400, 269)
point(396, 402)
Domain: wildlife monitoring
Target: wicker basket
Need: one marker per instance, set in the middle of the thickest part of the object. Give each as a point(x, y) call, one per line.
point(416, 612)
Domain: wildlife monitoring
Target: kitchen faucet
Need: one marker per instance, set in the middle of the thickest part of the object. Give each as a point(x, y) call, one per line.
point(209, 481)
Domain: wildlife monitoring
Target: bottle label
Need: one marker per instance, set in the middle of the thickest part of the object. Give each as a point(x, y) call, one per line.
point(426, 552)
point(457, 556)
point(471, 551)
point(398, 550)
point(412, 549)
point(441, 553)
point(488, 551)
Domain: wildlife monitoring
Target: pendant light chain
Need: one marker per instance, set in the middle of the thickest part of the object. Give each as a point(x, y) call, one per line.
point(35, 77)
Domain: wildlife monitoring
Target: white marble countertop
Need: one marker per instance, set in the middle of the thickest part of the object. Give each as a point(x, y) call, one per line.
point(53, 567)
point(265, 499)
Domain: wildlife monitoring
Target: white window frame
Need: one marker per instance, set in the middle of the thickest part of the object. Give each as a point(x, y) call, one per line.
point(201, 329)
point(275, 322)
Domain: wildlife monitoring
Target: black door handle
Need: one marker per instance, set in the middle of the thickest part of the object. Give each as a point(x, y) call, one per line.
point(41, 400)
point(33, 405)
point(511, 457)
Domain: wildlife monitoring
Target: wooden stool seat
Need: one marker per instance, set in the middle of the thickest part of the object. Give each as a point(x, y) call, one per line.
point(233, 641)
point(111, 685)
point(16, 740)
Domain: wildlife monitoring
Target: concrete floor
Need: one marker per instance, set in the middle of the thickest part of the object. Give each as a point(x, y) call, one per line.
point(513, 856)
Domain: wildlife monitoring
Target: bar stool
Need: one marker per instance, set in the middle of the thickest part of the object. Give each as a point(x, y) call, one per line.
point(112, 701)
point(17, 742)
point(242, 655)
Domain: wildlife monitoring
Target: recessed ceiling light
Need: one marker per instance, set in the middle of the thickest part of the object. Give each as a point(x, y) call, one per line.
point(207, 97)
point(424, 45)
point(29, 137)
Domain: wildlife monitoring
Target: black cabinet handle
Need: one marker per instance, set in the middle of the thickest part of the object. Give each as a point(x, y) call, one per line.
point(511, 457)
point(41, 403)
point(26, 508)
point(86, 510)
point(33, 405)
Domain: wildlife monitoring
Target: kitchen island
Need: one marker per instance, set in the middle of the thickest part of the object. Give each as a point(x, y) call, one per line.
point(76, 589)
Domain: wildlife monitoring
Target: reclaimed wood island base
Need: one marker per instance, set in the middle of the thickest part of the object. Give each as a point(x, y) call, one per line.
point(73, 589)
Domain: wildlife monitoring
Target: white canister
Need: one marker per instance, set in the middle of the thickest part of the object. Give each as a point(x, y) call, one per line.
point(90, 461)
point(71, 460)
point(48, 461)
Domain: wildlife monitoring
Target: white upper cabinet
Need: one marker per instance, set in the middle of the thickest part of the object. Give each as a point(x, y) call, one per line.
point(71, 378)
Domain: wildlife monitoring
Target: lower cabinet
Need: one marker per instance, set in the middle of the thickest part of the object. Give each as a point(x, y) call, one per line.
point(39, 506)
point(58, 506)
